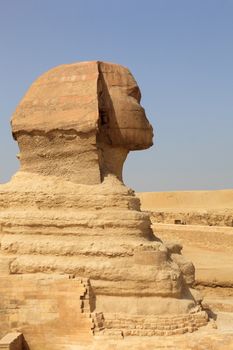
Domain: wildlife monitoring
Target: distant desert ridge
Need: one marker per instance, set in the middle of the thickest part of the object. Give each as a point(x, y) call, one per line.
point(185, 200)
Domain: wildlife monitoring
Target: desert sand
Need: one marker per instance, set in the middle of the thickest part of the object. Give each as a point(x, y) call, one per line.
point(187, 200)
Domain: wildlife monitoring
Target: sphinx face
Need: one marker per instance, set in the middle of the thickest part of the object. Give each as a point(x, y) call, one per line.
point(122, 116)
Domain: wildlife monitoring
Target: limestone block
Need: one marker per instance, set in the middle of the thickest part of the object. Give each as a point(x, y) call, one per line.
point(12, 341)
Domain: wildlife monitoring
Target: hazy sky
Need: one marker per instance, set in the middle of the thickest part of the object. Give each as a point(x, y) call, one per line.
point(181, 54)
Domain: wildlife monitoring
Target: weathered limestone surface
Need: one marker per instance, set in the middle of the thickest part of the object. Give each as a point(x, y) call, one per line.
point(67, 210)
point(48, 308)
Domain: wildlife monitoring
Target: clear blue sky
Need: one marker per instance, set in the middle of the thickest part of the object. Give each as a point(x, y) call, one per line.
point(181, 54)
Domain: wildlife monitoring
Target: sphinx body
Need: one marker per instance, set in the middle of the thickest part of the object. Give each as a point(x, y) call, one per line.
point(67, 210)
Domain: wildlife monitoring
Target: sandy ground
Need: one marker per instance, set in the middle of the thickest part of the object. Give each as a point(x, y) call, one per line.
point(189, 200)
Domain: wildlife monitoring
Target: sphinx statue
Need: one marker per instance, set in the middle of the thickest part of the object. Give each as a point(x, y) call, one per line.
point(67, 210)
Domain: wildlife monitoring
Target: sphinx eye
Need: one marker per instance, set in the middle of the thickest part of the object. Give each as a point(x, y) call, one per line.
point(135, 93)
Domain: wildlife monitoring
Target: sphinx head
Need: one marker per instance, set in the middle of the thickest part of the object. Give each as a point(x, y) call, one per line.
point(79, 122)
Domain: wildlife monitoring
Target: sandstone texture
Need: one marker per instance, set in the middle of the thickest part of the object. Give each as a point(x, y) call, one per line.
point(79, 260)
